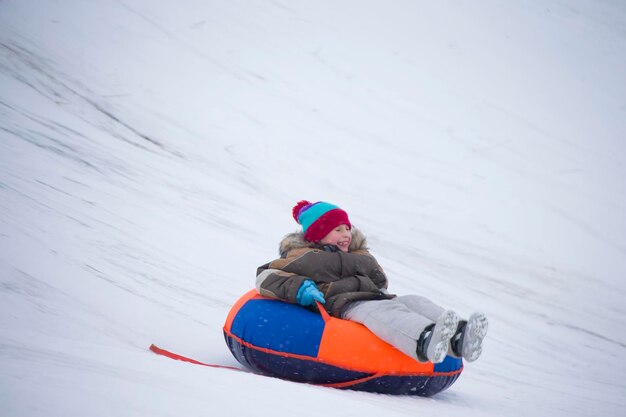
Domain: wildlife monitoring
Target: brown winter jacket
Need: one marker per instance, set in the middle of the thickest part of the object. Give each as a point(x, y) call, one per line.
point(342, 277)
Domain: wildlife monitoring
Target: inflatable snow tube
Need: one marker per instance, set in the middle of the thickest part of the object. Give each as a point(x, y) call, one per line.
point(288, 341)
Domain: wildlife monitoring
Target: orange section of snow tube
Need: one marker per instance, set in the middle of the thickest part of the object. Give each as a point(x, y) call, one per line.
point(351, 345)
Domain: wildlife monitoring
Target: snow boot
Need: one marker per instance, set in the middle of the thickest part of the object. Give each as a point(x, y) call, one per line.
point(467, 342)
point(434, 341)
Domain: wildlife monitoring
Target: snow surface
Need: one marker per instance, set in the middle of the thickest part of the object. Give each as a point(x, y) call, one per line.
point(151, 151)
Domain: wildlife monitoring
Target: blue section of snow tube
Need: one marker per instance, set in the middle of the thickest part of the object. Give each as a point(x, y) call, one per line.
point(298, 331)
point(449, 364)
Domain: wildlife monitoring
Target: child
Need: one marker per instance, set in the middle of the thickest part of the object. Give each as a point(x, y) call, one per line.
point(329, 262)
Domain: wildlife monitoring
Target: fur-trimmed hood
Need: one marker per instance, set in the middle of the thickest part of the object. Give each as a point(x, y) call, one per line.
point(297, 241)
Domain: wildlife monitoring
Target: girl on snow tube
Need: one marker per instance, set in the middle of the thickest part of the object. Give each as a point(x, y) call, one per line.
point(364, 338)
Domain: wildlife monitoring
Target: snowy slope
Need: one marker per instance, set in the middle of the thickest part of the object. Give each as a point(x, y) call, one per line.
point(150, 154)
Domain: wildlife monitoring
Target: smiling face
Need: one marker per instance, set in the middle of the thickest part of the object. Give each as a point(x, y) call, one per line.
point(340, 236)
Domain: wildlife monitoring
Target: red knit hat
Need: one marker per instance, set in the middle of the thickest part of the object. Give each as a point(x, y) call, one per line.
point(318, 219)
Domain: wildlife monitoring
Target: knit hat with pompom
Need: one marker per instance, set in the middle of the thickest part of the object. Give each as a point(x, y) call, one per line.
point(318, 219)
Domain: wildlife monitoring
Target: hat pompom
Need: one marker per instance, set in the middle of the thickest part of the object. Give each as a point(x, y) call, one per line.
point(298, 207)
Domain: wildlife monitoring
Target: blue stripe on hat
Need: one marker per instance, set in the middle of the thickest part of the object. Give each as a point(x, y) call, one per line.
point(314, 212)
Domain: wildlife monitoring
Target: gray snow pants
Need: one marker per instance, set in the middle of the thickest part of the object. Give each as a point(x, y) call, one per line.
point(398, 321)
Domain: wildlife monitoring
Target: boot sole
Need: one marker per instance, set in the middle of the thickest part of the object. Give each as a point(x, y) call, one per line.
point(475, 332)
point(440, 341)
